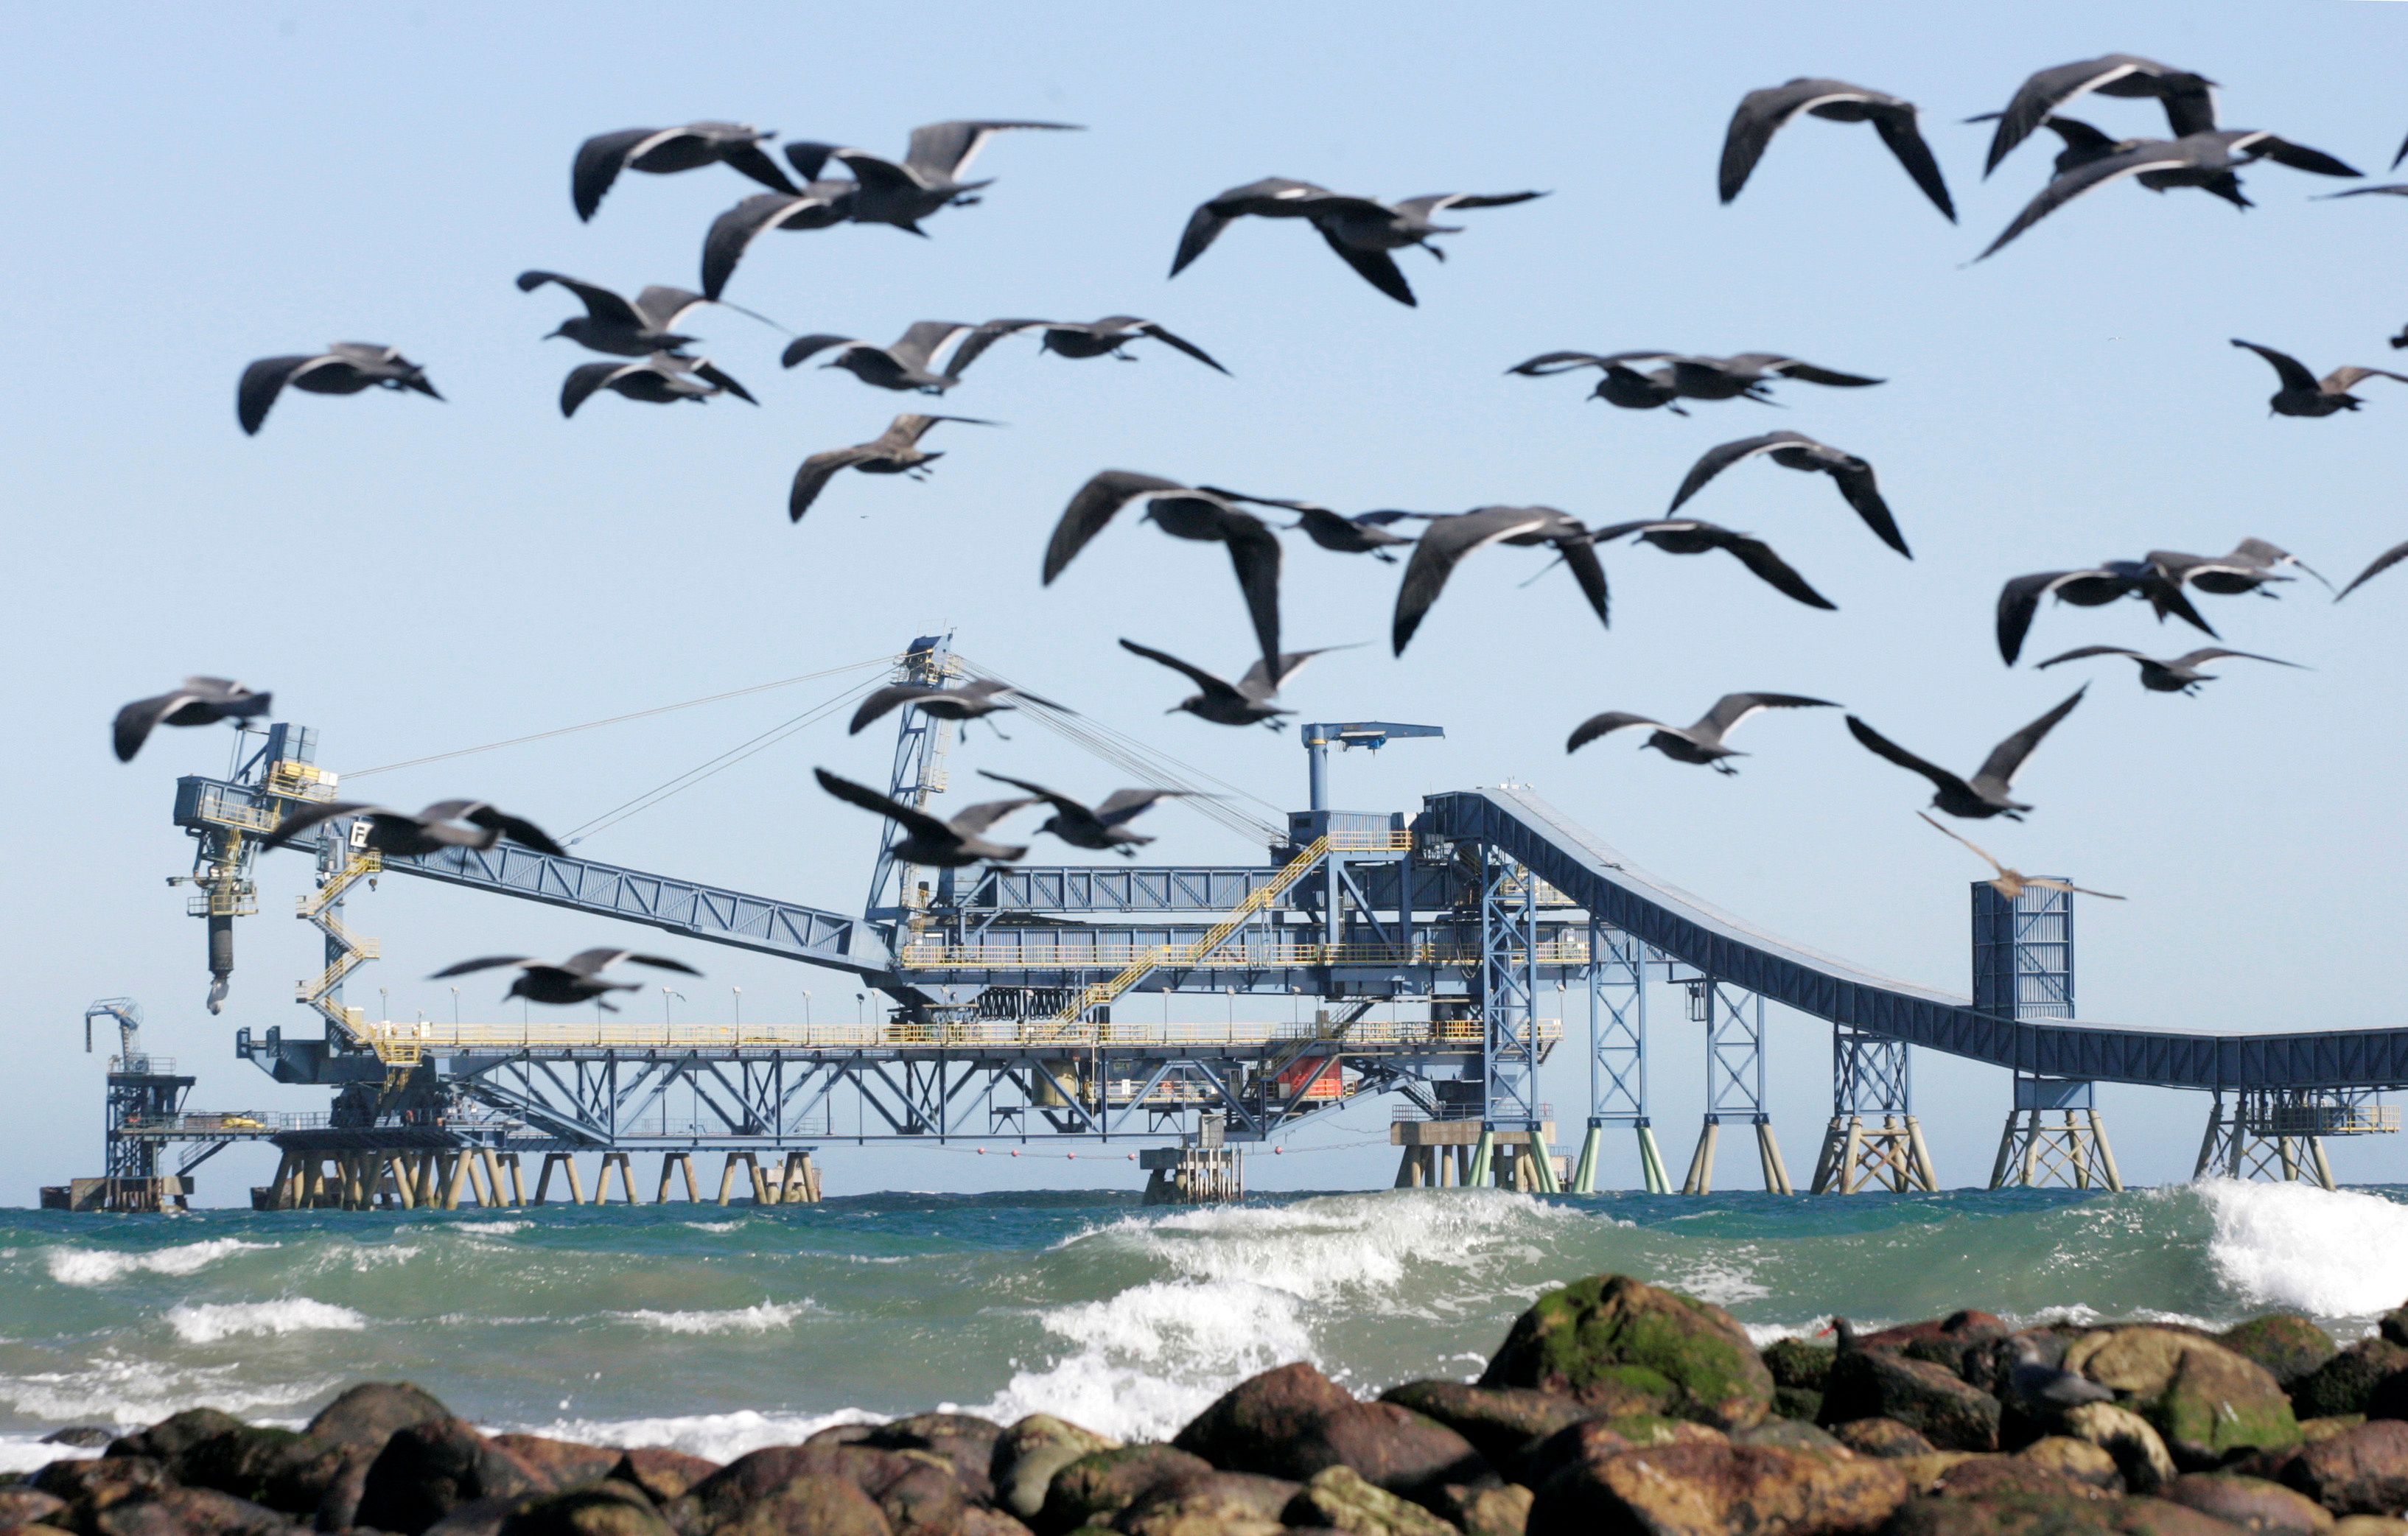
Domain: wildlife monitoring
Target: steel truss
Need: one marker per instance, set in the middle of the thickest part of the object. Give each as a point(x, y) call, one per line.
point(1507, 996)
point(1872, 1075)
point(1617, 1056)
point(1734, 1021)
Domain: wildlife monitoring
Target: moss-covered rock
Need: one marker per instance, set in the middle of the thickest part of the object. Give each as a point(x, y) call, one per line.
point(1214, 1503)
point(1799, 1364)
point(1931, 1399)
point(1339, 1499)
point(1495, 1511)
point(1625, 1347)
point(1792, 1434)
point(1029, 1453)
point(2218, 1407)
point(2290, 1347)
point(1797, 1402)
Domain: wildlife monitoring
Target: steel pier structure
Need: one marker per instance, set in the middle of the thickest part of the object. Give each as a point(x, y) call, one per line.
point(1433, 947)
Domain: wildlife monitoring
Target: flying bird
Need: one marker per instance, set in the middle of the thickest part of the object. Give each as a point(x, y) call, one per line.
point(1701, 743)
point(202, 701)
point(926, 179)
point(623, 328)
point(1796, 450)
point(1763, 113)
point(2304, 394)
point(1183, 513)
point(1365, 534)
point(945, 845)
point(2093, 588)
point(663, 151)
point(1621, 381)
point(445, 824)
point(576, 979)
point(2249, 568)
point(662, 380)
point(2177, 674)
point(1447, 540)
point(1106, 337)
point(1744, 376)
point(346, 367)
point(1101, 828)
point(817, 204)
point(2189, 99)
point(894, 451)
point(909, 364)
point(2086, 144)
point(1363, 231)
point(2200, 160)
point(2013, 883)
point(1691, 536)
point(2381, 563)
point(1246, 702)
point(973, 700)
point(1986, 793)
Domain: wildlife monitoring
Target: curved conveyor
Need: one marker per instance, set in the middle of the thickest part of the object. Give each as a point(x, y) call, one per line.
point(1677, 923)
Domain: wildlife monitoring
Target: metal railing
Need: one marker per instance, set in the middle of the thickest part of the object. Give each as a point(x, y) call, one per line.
point(254, 1124)
point(1037, 955)
point(405, 1042)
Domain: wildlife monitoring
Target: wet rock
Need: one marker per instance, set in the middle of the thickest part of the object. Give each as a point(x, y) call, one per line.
point(2011, 1477)
point(2139, 1452)
point(811, 1503)
point(428, 1470)
point(2219, 1406)
point(1882, 1437)
point(2314, 1430)
point(1930, 1399)
point(915, 1491)
point(1093, 1488)
point(1252, 1427)
point(1964, 1343)
point(1797, 1403)
point(191, 1512)
point(478, 1516)
point(1493, 1511)
point(1498, 1421)
point(605, 1509)
point(1029, 1453)
point(1625, 1348)
point(1701, 1489)
point(563, 1463)
point(2078, 1460)
point(981, 1520)
point(81, 1437)
point(2250, 1502)
point(2344, 1384)
point(249, 1462)
point(1924, 1473)
point(661, 1474)
point(2064, 1516)
point(965, 1440)
point(2136, 1362)
point(2290, 1347)
point(168, 1441)
point(1799, 1364)
point(2369, 1525)
point(88, 1487)
point(1791, 1434)
point(1212, 1503)
point(2361, 1472)
point(2389, 1399)
point(373, 1412)
point(1603, 1437)
point(1392, 1446)
point(1341, 1499)
point(20, 1505)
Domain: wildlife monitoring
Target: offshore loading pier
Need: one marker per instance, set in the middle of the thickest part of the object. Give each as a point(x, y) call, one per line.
point(1425, 940)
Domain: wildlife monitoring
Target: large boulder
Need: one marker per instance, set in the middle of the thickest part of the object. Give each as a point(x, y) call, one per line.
point(1252, 1426)
point(2139, 1451)
point(563, 1463)
point(1095, 1488)
point(1622, 1346)
point(1212, 1503)
point(808, 1503)
point(373, 1412)
point(1393, 1447)
point(1991, 1476)
point(88, 1487)
point(1799, 1364)
point(1964, 1343)
point(660, 1472)
point(2290, 1347)
point(2209, 1403)
point(1339, 1499)
point(1495, 1511)
point(1596, 1438)
point(1931, 1399)
point(604, 1509)
point(1029, 1453)
point(2363, 1471)
point(2346, 1383)
point(1703, 1488)
point(166, 1440)
point(191, 1512)
point(428, 1470)
point(2252, 1503)
point(1793, 1434)
point(1498, 1421)
point(2087, 1464)
point(965, 1440)
point(1885, 1438)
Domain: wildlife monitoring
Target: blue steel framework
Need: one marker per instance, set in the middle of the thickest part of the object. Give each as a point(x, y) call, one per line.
point(1617, 1064)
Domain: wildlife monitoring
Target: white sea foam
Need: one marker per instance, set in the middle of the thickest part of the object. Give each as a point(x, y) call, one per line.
point(493, 1229)
point(761, 1318)
point(212, 1322)
point(2336, 1254)
point(120, 1392)
point(722, 1436)
point(712, 1226)
point(99, 1266)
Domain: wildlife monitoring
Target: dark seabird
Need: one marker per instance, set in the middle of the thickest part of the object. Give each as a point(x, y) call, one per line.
point(1447, 540)
point(1248, 701)
point(202, 701)
point(2304, 394)
point(925, 840)
point(1624, 382)
point(1106, 337)
point(663, 151)
point(909, 364)
point(2178, 674)
point(2093, 588)
point(1690, 536)
point(973, 700)
point(1104, 828)
point(1183, 513)
point(2381, 563)
point(819, 205)
point(1744, 376)
point(2011, 883)
point(2043, 1390)
point(929, 177)
point(614, 324)
point(2189, 99)
point(1762, 113)
point(347, 367)
point(2251, 566)
point(445, 824)
point(894, 451)
point(1363, 231)
point(1986, 793)
point(1796, 450)
point(2086, 144)
point(1365, 534)
point(576, 979)
point(662, 380)
point(2202, 159)
point(1701, 743)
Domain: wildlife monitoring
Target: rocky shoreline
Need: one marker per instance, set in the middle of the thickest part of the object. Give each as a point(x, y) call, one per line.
point(1610, 1407)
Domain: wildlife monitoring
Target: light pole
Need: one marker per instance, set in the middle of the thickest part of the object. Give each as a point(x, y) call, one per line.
point(384, 1005)
point(739, 1004)
point(668, 993)
point(455, 1007)
point(859, 1007)
point(807, 1007)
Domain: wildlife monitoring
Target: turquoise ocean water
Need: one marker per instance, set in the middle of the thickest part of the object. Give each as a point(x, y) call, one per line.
point(720, 1329)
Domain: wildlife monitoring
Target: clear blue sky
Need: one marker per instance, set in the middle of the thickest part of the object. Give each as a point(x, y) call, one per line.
point(191, 189)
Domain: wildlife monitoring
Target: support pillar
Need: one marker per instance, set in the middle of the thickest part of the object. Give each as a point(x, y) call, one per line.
point(1734, 1022)
point(682, 1161)
point(2054, 1138)
point(567, 1164)
point(799, 1181)
point(1873, 1140)
point(2265, 1133)
point(1617, 1056)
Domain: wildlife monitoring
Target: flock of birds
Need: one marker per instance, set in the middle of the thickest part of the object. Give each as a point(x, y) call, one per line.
point(646, 358)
